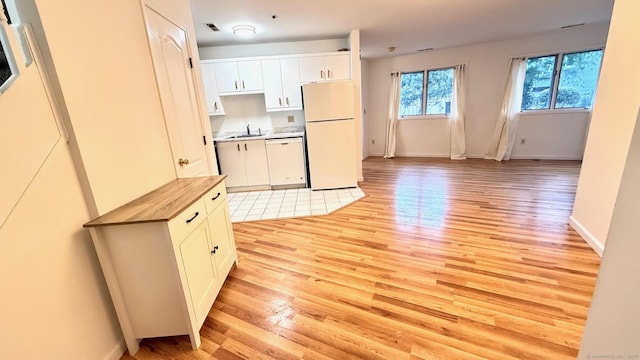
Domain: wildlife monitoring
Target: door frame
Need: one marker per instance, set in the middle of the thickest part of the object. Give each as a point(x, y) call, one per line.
point(196, 73)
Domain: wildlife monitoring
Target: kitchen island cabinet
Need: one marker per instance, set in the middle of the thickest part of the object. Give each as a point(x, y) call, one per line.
point(165, 257)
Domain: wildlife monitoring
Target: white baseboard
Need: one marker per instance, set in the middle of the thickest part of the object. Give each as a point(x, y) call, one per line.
point(117, 351)
point(595, 244)
point(546, 157)
point(427, 155)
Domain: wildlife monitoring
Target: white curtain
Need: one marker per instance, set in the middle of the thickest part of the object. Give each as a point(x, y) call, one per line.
point(456, 119)
point(504, 135)
point(392, 115)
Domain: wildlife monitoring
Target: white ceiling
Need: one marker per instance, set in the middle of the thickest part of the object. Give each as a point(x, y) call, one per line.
point(408, 25)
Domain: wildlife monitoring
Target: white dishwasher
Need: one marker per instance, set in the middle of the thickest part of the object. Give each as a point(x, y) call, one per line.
point(286, 161)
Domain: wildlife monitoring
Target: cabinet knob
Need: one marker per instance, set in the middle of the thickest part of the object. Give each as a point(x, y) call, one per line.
point(183, 162)
point(215, 248)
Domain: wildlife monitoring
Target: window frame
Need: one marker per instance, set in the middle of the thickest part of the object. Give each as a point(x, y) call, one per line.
point(425, 80)
point(557, 72)
point(8, 51)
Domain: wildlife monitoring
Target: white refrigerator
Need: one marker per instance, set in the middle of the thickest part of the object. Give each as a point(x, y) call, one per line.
point(329, 113)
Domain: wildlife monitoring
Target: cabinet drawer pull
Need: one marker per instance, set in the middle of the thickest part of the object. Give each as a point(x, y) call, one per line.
point(321, 74)
point(243, 84)
point(236, 83)
point(215, 248)
point(284, 143)
point(280, 101)
point(193, 218)
point(287, 100)
point(329, 74)
point(215, 197)
point(245, 147)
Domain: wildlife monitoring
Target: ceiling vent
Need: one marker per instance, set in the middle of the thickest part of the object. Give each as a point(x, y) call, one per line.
point(212, 27)
point(570, 26)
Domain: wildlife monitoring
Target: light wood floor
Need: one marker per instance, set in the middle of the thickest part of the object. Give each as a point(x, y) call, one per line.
point(442, 260)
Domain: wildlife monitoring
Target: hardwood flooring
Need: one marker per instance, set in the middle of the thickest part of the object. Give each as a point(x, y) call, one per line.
point(442, 260)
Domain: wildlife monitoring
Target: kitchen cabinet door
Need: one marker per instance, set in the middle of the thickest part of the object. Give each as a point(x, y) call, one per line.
point(291, 89)
point(214, 106)
point(272, 77)
point(222, 242)
point(256, 162)
point(232, 162)
point(312, 69)
point(199, 270)
point(250, 75)
point(338, 67)
point(227, 76)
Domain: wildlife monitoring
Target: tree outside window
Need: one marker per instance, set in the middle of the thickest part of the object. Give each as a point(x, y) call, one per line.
point(570, 83)
point(439, 88)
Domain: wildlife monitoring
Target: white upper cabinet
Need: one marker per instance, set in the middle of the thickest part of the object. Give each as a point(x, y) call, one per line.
point(282, 84)
point(239, 77)
point(325, 68)
point(214, 106)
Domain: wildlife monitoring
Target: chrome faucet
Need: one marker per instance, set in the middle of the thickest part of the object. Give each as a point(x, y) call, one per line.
point(248, 129)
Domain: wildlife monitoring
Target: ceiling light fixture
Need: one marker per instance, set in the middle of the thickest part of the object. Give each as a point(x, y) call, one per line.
point(244, 31)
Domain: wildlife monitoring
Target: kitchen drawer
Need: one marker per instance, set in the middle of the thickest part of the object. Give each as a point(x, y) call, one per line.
point(188, 220)
point(215, 197)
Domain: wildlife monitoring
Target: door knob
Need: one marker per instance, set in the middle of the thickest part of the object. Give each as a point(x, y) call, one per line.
point(183, 162)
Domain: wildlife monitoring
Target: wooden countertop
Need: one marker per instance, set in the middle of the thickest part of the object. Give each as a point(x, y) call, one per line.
point(162, 204)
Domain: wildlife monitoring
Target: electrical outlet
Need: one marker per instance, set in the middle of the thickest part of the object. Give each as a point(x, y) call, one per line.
point(290, 118)
point(522, 141)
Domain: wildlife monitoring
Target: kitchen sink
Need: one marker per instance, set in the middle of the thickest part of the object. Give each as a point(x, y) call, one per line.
point(244, 136)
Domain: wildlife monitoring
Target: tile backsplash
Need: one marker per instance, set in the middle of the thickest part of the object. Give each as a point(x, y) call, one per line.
point(250, 109)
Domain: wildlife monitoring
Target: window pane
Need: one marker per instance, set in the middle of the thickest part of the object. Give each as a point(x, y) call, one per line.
point(578, 78)
point(5, 70)
point(538, 83)
point(411, 86)
point(439, 90)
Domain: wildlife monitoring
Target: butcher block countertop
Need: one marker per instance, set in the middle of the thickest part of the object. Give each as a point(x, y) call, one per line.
point(162, 204)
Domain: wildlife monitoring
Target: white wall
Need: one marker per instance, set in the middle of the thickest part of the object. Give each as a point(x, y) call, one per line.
point(487, 71)
point(111, 97)
point(612, 123)
point(365, 105)
point(53, 303)
point(281, 48)
point(356, 76)
point(612, 324)
point(250, 109)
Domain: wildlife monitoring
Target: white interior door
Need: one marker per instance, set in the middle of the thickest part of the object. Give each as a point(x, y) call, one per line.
point(171, 61)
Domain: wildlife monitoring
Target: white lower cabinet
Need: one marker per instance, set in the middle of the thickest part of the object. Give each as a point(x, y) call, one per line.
point(164, 261)
point(244, 162)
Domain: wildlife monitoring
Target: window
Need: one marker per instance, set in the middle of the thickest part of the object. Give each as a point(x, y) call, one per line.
point(5, 67)
point(561, 81)
point(434, 90)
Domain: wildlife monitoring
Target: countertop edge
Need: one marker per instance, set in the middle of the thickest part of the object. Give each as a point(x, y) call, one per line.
point(103, 220)
point(263, 137)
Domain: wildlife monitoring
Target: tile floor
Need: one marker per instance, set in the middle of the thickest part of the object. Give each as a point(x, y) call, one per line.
point(278, 204)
